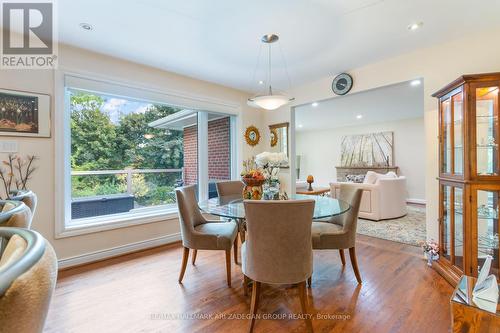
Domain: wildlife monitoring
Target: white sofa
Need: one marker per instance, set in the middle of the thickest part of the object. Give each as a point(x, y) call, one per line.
point(385, 199)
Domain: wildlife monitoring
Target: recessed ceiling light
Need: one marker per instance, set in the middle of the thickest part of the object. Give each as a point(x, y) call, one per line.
point(300, 126)
point(359, 116)
point(315, 104)
point(86, 26)
point(261, 82)
point(415, 26)
point(415, 83)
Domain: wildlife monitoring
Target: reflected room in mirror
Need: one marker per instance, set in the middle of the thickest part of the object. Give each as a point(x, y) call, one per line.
point(279, 138)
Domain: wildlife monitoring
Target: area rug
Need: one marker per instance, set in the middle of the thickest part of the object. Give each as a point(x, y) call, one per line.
point(409, 229)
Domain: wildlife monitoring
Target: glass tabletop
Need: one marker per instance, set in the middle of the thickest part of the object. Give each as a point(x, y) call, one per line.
point(232, 206)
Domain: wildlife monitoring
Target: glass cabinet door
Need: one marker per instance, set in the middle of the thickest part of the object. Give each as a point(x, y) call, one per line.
point(458, 228)
point(446, 222)
point(458, 134)
point(487, 228)
point(452, 229)
point(487, 131)
point(446, 128)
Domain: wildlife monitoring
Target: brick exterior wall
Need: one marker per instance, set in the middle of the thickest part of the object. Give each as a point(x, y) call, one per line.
point(190, 155)
point(219, 151)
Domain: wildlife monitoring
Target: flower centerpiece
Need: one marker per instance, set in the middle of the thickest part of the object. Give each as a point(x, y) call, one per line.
point(431, 251)
point(270, 164)
point(253, 179)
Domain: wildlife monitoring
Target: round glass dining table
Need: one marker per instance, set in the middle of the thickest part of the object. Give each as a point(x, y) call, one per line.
point(232, 206)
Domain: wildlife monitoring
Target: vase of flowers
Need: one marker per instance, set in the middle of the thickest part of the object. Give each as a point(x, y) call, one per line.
point(253, 179)
point(270, 164)
point(431, 251)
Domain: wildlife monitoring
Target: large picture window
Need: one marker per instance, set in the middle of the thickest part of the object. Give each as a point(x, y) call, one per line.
point(127, 155)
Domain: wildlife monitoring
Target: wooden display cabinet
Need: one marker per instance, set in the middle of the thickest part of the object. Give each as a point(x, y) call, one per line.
point(469, 175)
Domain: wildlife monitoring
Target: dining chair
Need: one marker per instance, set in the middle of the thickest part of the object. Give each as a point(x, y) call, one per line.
point(15, 214)
point(198, 233)
point(278, 248)
point(29, 198)
point(339, 232)
point(28, 274)
point(233, 188)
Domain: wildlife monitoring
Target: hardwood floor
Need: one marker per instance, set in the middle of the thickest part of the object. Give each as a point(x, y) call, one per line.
point(140, 293)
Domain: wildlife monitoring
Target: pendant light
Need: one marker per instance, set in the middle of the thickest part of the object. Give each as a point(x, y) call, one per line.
point(272, 100)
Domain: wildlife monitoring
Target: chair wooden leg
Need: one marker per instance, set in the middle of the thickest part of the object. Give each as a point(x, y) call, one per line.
point(254, 304)
point(309, 281)
point(241, 229)
point(236, 250)
point(342, 257)
point(354, 262)
point(303, 305)
point(228, 267)
point(185, 257)
point(193, 260)
point(246, 281)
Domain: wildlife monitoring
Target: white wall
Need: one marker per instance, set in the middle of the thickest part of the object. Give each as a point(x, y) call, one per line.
point(437, 65)
point(320, 151)
point(44, 179)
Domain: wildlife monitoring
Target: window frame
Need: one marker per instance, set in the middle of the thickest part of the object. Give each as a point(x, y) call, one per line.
point(63, 148)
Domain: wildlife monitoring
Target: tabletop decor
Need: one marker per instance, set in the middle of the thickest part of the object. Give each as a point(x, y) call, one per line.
point(16, 172)
point(270, 164)
point(431, 251)
point(252, 135)
point(310, 180)
point(253, 179)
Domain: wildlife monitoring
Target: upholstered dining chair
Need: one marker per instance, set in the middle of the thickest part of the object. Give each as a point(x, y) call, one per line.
point(29, 198)
point(339, 232)
point(278, 248)
point(200, 234)
point(28, 273)
point(232, 188)
point(14, 214)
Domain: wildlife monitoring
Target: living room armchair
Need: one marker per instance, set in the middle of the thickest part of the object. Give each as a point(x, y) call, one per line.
point(386, 199)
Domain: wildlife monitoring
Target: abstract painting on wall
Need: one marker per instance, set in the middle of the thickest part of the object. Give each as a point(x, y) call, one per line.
point(367, 150)
point(24, 113)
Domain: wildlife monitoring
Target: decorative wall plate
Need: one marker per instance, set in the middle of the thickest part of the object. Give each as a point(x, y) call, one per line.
point(252, 135)
point(274, 137)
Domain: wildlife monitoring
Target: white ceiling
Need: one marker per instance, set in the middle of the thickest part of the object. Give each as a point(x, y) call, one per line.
point(218, 40)
point(394, 102)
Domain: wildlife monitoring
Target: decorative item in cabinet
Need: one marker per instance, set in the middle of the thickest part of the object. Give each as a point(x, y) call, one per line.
point(469, 175)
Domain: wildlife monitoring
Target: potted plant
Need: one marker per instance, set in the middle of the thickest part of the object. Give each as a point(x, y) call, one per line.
point(270, 164)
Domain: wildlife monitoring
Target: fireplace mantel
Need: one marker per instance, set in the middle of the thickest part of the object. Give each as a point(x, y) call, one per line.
point(343, 171)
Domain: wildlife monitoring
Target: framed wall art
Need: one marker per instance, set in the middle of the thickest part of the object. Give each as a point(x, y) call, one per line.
point(24, 114)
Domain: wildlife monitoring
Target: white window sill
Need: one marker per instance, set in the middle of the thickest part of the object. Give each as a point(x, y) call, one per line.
point(116, 221)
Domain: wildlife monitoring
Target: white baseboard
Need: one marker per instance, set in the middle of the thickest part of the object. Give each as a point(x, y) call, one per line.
point(118, 250)
point(416, 201)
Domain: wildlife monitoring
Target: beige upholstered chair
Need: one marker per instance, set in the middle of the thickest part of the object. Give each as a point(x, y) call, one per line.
point(278, 248)
point(28, 272)
point(14, 214)
point(233, 188)
point(199, 234)
point(229, 187)
point(339, 233)
point(29, 198)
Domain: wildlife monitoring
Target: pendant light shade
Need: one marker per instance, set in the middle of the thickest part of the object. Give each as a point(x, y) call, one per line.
point(269, 101)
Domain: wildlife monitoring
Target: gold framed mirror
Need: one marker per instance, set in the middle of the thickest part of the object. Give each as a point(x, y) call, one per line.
point(278, 135)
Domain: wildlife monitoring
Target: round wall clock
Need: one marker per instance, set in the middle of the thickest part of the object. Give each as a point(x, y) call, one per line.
point(341, 84)
point(252, 135)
